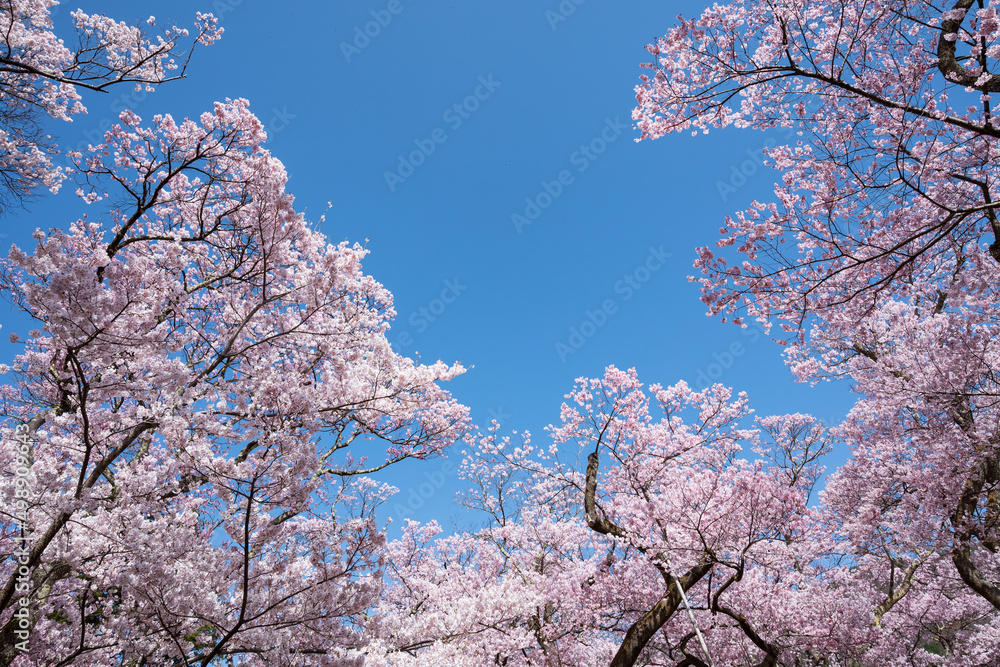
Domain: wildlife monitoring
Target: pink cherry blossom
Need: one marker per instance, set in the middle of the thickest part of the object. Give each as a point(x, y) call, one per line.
point(209, 388)
point(878, 260)
point(40, 75)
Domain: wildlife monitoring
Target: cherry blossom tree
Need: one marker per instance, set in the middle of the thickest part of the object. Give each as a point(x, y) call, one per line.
point(40, 76)
point(879, 259)
point(892, 186)
point(590, 540)
point(196, 414)
point(192, 426)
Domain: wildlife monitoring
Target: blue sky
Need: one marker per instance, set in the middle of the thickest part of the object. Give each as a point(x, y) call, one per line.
point(433, 136)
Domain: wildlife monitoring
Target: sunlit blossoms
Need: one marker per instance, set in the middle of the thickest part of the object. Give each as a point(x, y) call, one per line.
point(193, 430)
point(210, 381)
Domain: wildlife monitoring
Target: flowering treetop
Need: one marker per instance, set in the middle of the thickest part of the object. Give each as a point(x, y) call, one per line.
point(207, 386)
point(40, 75)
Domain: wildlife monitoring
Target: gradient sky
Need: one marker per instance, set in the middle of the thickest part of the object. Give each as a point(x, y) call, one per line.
point(523, 103)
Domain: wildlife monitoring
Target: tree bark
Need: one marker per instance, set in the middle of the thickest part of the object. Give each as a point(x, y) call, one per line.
point(643, 630)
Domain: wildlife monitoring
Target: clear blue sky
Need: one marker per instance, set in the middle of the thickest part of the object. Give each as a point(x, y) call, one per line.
point(541, 95)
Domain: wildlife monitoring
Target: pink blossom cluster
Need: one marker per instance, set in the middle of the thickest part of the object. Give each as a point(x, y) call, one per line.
point(41, 76)
point(209, 392)
point(205, 394)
